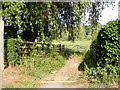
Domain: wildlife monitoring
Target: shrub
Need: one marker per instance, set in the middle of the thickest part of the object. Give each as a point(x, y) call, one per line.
point(107, 45)
point(11, 48)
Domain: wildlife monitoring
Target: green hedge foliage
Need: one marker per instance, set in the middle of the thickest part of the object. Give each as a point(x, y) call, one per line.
point(47, 60)
point(108, 45)
point(106, 66)
point(11, 49)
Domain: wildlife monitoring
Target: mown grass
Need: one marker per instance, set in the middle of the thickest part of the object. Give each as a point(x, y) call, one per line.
point(76, 47)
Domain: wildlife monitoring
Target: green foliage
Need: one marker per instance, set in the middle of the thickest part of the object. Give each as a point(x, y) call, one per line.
point(108, 45)
point(12, 10)
point(48, 20)
point(51, 61)
point(47, 60)
point(91, 31)
point(106, 65)
point(11, 49)
point(44, 62)
point(37, 65)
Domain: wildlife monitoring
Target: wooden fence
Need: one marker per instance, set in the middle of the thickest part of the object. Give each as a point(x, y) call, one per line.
point(26, 49)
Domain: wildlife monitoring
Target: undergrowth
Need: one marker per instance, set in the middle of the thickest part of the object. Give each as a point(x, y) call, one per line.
point(37, 64)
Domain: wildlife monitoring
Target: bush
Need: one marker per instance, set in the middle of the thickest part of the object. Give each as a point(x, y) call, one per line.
point(11, 49)
point(107, 45)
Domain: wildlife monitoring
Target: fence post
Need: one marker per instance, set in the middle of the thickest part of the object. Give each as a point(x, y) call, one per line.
point(1, 43)
point(48, 46)
point(63, 47)
point(42, 47)
point(1, 46)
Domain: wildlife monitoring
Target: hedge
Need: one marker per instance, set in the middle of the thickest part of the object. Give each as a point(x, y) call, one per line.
point(11, 49)
point(107, 45)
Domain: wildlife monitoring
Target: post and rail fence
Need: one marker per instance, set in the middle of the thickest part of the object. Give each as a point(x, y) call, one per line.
point(25, 49)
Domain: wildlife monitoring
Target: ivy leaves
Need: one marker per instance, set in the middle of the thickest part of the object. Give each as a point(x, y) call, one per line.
point(108, 41)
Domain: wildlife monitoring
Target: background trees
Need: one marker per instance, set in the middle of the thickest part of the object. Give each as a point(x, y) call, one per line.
point(46, 21)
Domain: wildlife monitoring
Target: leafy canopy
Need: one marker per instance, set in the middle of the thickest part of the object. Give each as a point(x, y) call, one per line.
point(48, 20)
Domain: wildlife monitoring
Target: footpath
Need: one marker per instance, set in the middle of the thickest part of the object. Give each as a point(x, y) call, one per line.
point(66, 77)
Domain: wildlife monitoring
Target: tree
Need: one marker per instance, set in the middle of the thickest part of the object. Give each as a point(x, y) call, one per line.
point(48, 20)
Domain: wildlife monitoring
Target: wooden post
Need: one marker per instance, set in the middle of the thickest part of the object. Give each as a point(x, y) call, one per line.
point(42, 47)
point(1, 43)
point(1, 46)
point(60, 47)
point(48, 46)
point(63, 47)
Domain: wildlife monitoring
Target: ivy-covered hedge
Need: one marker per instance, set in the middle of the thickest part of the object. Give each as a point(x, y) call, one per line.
point(11, 49)
point(108, 46)
point(106, 65)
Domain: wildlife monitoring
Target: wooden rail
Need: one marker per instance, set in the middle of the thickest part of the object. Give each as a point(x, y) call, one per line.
point(26, 49)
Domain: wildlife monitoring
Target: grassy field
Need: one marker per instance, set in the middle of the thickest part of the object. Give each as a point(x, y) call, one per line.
point(82, 43)
point(79, 47)
point(73, 47)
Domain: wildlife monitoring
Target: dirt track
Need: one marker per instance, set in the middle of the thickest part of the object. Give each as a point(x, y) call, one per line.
point(57, 78)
